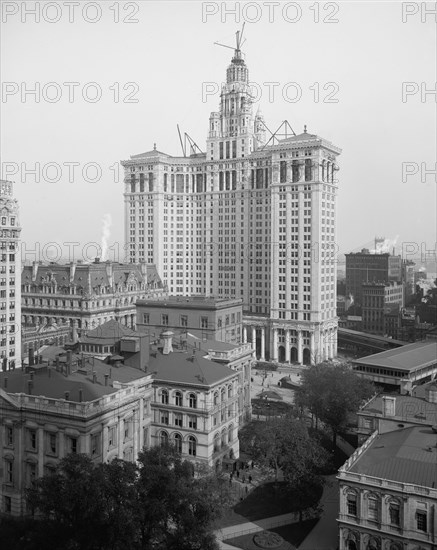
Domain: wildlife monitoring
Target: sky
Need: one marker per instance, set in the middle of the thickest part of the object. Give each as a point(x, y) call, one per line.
point(356, 73)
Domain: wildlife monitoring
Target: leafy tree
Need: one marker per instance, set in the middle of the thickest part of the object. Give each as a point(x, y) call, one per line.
point(157, 504)
point(332, 393)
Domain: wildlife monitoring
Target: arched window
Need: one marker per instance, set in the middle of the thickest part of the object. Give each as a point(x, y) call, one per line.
point(224, 437)
point(192, 400)
point(178, 399)
point(231, 433)
point(223, 395)
point(165, 182)
point(164, 397)
point(216, 398)
point(177, 438)
point(373, 508)
point(192, 446)
point(351, 545)
point(229, 391)
point(163, 438)
point(216, 442)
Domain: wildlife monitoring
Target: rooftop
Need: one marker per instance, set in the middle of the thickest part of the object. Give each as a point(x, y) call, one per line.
point(192, 302)
point(408, 455)
point(111, 331)
point(414, 408)
point(409, 357)
point(52, 384)
point(187, 368)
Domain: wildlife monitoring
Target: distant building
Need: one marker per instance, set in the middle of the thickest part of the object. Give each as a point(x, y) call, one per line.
point(400, 368)
point(377, 301)
point(388, 494)
point(408, 280)
point(364, 267)
point(86, 295)
point(10, 269)
point(35, 336)
point(80, 406)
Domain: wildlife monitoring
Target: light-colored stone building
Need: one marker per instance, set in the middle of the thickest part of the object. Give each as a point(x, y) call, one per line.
point(81, 406)
point(251, 218)
point(388, 494)
point(10, 269)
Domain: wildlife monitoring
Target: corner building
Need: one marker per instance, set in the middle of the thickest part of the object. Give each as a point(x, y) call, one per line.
point(248, 219)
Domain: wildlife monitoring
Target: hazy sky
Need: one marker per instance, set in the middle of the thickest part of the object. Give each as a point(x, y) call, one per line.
point(359, 59)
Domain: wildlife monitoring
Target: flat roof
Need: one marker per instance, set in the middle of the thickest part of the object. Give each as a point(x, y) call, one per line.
point(192, 302)
point(408, 358)
point(408, 455)
point(412, 408)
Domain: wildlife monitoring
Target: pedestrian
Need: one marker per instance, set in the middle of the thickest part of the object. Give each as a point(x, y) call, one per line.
point(247, 488)
point(244, 479)
point(250, 479)
point(238, 474)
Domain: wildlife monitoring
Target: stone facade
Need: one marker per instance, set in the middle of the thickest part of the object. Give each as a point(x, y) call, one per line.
point(250, 219)
point(10, 269)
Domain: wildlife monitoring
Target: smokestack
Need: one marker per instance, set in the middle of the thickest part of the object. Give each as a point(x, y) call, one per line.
point(106, 379)
point(80, 395)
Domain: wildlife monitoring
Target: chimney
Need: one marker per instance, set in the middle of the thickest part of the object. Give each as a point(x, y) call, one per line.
point(57, 363)
point(31, 375)
point(69, 355)
point(67, 395)
point(110, 274)
point(94, 376)
point(31, 357)
point(97, 260)
point(72, 271)
point(388, 406)
point(29, 387)
point(106, 379)
point(80, 395)
point(167, 337)
point(34, 271)
point(5, 382)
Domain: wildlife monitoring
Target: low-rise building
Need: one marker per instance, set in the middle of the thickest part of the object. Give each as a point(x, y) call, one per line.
point(400, 368)
point(195, 404)
point(77, 406)
point(388, 494)
point(389, 412)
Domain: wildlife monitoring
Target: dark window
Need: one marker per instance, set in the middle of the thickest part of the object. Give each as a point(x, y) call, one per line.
point(421, 521)
point(352, 504)
point(394, 510)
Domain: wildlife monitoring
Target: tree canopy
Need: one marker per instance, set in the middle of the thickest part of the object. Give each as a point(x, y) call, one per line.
point(332, 393)
point(159, 503)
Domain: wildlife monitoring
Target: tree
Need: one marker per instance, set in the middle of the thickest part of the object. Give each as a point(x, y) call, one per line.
point(177, 507)
point(332, 393)
point(157, 504)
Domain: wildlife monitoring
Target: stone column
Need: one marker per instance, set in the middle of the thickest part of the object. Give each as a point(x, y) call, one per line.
point(120, 437)
point(314, 357)
point(40, 436)
point(105, 434)
point(244, 334)
point(61, 436)
point(287, 345)
point(135, 433)
point(254, 338)
point(263, 344)
point(275, 344)
point(299, 347)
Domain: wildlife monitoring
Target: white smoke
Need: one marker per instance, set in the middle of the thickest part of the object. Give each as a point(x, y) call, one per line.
point(426, 285)
point(106, 232)
point(384, 246)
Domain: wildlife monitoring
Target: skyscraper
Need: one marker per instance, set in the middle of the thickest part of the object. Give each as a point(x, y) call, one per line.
point(249, 219)
point(10, 271)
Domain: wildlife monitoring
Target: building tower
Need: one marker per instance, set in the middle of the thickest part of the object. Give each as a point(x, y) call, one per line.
point(248, 219)
point(10, 272)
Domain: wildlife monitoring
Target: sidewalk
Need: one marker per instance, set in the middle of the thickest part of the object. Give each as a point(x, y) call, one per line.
point(324, 536)
point(252, 527)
